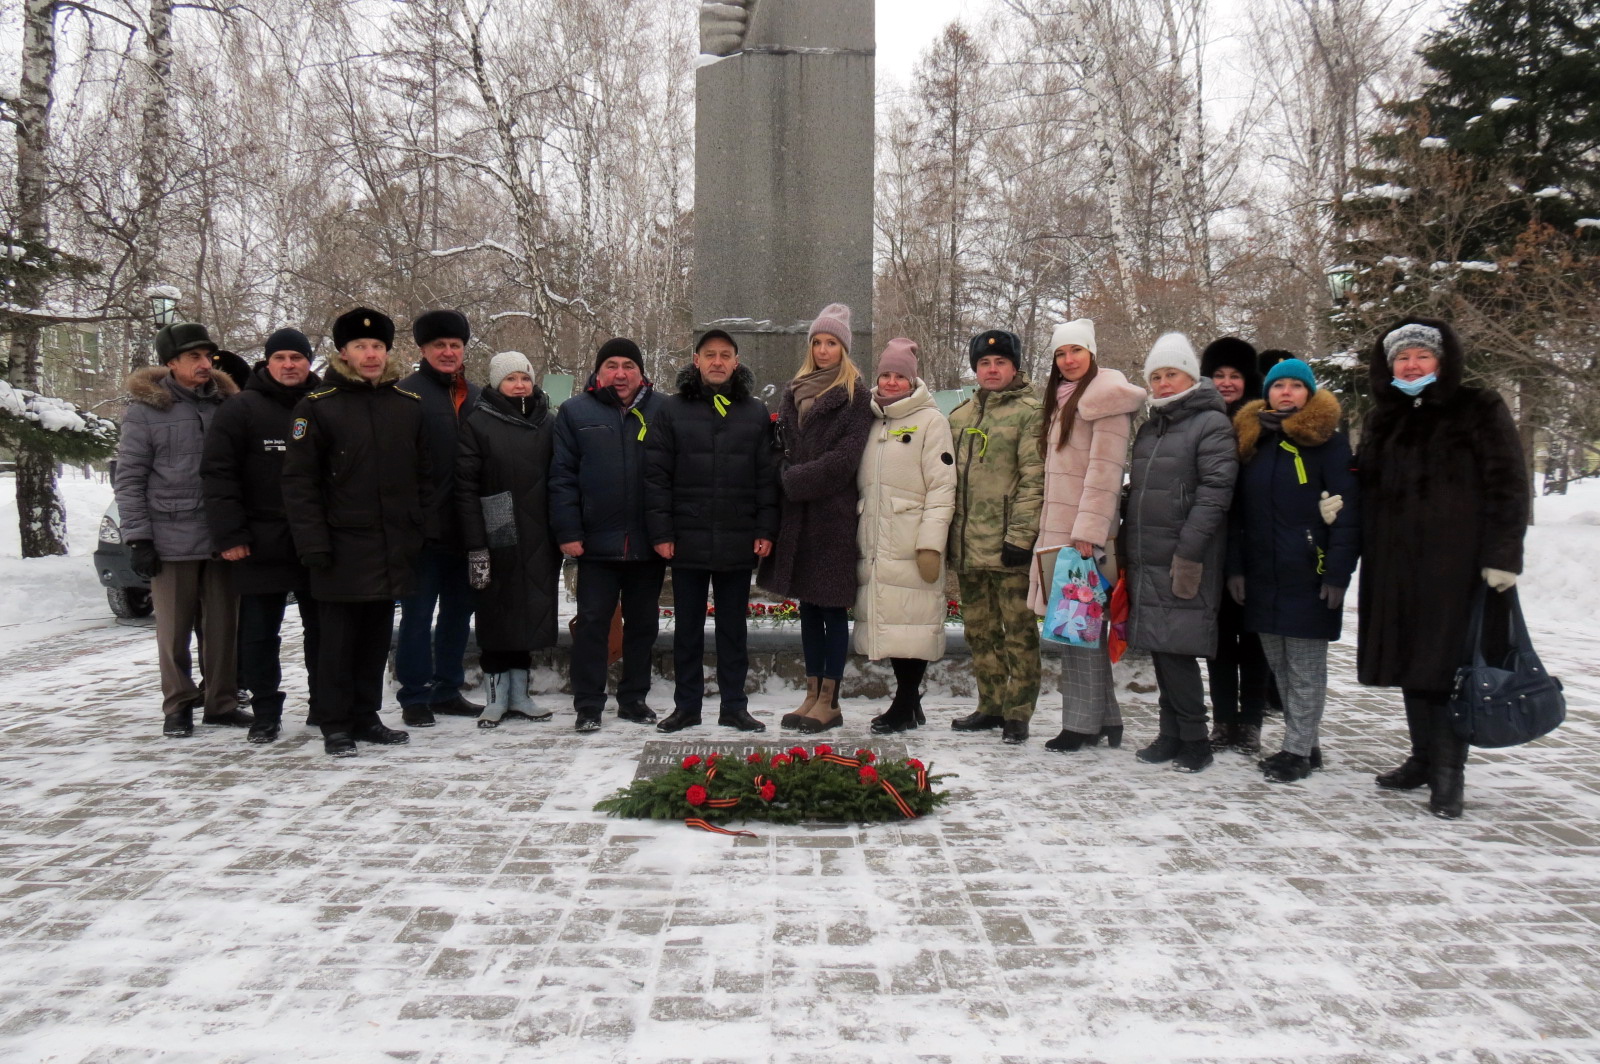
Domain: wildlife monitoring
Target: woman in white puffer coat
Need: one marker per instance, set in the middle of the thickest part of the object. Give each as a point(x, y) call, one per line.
point(907, 483)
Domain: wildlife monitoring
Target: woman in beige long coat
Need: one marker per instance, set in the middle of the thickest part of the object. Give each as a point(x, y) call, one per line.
point(1088, 416)
point(907, 483)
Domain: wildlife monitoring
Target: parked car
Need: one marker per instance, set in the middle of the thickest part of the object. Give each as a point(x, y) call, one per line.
point(127, 593)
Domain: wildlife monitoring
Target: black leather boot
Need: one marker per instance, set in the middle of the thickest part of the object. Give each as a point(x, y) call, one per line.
point(1413, 771)
point(738, 718)
point(1447, 768)
point(979, 721)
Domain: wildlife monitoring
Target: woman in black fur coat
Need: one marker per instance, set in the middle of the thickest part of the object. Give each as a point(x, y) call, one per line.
point(1444, 504)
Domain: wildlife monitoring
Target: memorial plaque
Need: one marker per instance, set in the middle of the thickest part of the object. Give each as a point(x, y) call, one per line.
point(661, 755)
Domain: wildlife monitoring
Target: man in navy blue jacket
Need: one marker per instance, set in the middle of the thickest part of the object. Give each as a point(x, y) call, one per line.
point(597, 511)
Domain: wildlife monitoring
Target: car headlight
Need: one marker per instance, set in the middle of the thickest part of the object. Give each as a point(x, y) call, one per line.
point(109, 532)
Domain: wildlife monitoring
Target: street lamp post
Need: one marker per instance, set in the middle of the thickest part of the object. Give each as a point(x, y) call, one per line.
point(1339, 280)
point(163, 304)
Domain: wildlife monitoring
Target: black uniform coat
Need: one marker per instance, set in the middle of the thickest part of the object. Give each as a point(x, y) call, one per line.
point(814, 558)
point(1277, 539)
point(597, 474)
point(357, 485)
point(504, 450)
point(711, 478)
point(242, 474)
point(1444, 495)
point(444, 432)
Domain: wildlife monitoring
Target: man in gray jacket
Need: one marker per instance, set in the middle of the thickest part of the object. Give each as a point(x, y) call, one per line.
point(161, 503)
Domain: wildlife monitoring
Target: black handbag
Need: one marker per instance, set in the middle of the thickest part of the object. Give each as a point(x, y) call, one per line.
point(1509, 704)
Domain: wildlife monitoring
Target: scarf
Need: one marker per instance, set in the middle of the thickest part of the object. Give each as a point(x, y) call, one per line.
point(806, 389)
point(1162, 404)
point(1272, 420)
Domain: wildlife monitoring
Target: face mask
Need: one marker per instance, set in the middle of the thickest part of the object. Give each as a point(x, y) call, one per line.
point(1415, 387)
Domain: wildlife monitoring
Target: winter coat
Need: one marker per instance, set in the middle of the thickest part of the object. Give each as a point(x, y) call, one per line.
point(358, 486)
point(597, 474)
point(814, 558)
point(1083, 480)
point(1000, 485)
point(1181, 483)
point(907, 483)
point(711, 474)
point(1277, 539)
point(242, 472)
point(1444, 495)
point(160, 496)
point(444, 434)
point(503, 451)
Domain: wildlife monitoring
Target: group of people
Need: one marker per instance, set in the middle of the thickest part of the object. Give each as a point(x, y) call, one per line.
point(1235, 515)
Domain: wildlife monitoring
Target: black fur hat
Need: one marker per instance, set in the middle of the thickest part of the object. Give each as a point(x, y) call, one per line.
point(1237, 354)
point(363, 323)
point(1271, 357)
point(440, 324)
point(995, 342)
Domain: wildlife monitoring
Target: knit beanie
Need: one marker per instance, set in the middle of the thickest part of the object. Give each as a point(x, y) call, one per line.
point(440, 325)
point(835, 321)
point(173, 340)
point(363, 323)
point(1172, 351)
point(995, 342)
point(1293, 369)
point(619, 347)
point(899, 356)
point(1080, 332)
point(505, 364)
point(1413, 334)
point(715, 334)
point(287, 340)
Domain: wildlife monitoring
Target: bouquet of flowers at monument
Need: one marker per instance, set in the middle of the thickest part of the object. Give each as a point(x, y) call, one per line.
point(785, 787)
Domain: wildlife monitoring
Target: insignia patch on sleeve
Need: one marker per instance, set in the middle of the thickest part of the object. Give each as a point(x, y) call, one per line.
point(947, 459)
point(299, 428)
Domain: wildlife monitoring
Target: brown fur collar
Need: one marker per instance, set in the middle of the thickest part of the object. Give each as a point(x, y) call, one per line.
point(338, 370)
point(1311, 426)
point(144, 386)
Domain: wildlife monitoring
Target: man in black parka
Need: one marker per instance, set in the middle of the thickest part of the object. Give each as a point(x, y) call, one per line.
point(711, 499)
point(242, 472)
point(427, 656)
point(597, 514)
point(359, 493)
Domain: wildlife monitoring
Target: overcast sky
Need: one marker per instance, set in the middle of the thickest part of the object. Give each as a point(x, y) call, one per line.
point(907, 27)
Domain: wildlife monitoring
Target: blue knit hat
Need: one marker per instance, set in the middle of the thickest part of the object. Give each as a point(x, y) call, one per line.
point(1293, 369)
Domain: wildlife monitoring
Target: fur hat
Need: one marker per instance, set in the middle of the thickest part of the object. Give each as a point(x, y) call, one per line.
point(1230, 352)
point(1271, 357)
point(619, 347)
point(716, 334)
point(363, 323)
point(231, 364)
point(995, 342)
point(1293, 369)
point(440, 325)
point(1412, 334)
point(835, 321)
point(505, 364)
point(287, 340)
point(1080, 332)
point(1172, 351)
point(899, 356)
point(173, 340)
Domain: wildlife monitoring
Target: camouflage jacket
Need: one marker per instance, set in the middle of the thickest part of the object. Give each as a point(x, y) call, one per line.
point(1000, 475)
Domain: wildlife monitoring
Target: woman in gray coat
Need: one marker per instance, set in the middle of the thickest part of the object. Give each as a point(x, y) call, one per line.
point(1184, 465)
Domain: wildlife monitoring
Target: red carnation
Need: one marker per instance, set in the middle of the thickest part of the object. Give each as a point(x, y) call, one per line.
point(780, 759)
point(914, 765)
point(768, 790)
point(822, 748)
point(691, 761)
point(798, 753)
point(866, 755)
point(713, 758)
point(753, 759)
point(868, 774)
point(696, 795)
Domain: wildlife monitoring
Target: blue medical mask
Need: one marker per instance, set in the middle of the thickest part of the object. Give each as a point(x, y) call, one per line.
point(1415, 387)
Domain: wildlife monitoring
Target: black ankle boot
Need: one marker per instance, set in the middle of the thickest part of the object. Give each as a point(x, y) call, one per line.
point(1014, 732)
point(1069, 741)
point(1408, 775)
point(1447, 775)
point(1112, 733)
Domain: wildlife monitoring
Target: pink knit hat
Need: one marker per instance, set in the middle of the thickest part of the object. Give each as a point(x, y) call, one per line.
point(899, 356)
point(835, 321)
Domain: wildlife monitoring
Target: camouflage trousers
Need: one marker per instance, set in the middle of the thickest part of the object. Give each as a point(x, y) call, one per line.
point(1003, 634)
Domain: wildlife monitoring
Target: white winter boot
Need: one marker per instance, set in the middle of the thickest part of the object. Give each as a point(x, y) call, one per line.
point(498, 686)
point(521, 701)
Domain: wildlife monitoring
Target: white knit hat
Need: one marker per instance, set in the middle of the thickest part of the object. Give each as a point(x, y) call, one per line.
point(1172, 351)
point(1080, 332)
point(505, 364)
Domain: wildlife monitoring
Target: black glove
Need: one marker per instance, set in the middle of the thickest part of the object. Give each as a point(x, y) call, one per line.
point(1015, 557)
point(143, 559)
point(317, 560)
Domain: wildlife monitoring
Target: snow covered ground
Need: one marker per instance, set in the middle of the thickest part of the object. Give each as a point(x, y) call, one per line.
point(459, 900)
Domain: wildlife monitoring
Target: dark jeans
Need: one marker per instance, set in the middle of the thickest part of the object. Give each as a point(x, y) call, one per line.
point(600, 586)
point(260, 664)
point(731, 589)
point(825, 639)
point(1239, 674)
point(1183, 696)
point(353, 652)
point(427, 660)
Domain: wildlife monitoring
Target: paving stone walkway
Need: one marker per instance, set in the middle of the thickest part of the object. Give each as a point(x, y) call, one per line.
point(458, 900)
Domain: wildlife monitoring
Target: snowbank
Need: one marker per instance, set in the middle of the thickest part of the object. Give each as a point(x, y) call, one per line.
point(1560, 586)
point(52, 590)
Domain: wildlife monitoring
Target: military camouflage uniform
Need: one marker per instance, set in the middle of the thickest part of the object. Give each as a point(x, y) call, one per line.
point(999, 492)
